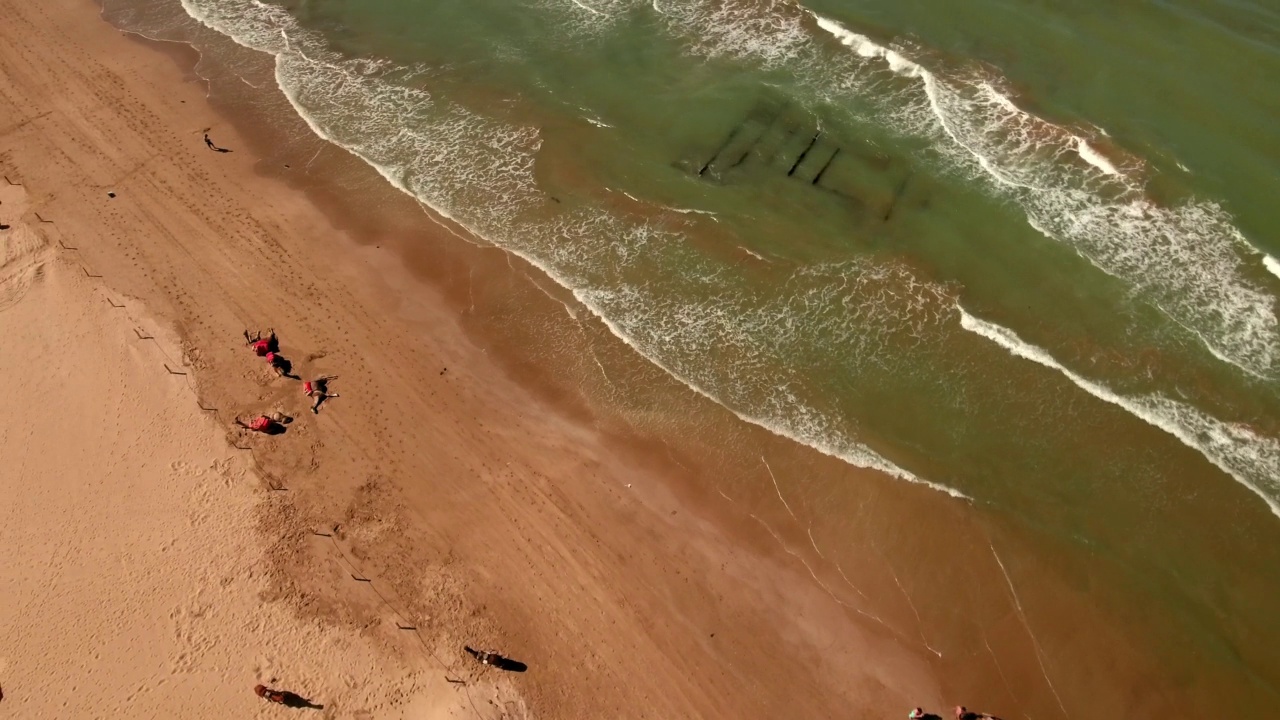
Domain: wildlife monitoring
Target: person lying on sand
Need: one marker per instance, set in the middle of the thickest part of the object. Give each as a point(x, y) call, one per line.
point(284, 697)
point(261, 424)
point(269, 424)
point(280, 365)
point(268, 694)
point(318, 389)
point(484, 657)
point(261, 346)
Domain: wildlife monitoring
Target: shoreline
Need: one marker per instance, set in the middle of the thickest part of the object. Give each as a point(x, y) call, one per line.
point(576, 530)
point(491, 498)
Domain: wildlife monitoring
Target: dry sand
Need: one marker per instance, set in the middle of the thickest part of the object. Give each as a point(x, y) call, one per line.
point(152, 568)
point(133, 561)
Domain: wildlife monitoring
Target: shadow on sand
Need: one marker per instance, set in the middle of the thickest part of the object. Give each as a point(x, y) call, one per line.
point(295, 700)
point(496, 660)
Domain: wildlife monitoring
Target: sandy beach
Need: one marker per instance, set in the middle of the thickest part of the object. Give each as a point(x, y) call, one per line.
point(160, 562)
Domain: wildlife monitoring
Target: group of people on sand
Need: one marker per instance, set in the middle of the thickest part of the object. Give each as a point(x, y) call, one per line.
point(268, 348)
point(962, 713)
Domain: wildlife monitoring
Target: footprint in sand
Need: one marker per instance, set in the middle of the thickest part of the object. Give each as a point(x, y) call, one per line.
point(23, 252)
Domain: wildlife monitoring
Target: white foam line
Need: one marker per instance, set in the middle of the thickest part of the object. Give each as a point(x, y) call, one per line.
point(823, 585)
point(905, 594)
point(999, 669)
point(1212, 429)
point(690, 211)
point(779, 491)
point(1095, 158)
point(849, 582)
point(567, 308)
point(818, 580)
point(866, 47)
point(863, 457)
point(602, 370)
point(1272, 265)
point(1236, 320)
point(1027, 626)
point(872, 462)
point(809, 531)
point(588, 8)
point(1208, 344)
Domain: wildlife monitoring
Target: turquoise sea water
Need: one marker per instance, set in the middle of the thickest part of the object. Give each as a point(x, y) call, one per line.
point(1018, 251)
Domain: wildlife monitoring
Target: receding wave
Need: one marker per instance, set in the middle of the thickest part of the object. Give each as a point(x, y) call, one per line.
point(1188, 260)
point(479, 172)
point(1252, 459)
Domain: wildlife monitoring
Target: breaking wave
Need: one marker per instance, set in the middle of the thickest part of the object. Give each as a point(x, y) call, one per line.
point(1187, 259)
point(1251, 459)
point(479, 172)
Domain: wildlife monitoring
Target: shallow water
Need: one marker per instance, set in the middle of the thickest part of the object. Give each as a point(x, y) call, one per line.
point(1015, 251)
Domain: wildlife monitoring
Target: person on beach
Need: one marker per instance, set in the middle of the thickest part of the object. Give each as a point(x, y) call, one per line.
point(262, 424)
point(268, 694)
point(284, 697)
point(209, 143)
point(272, 424)
point(494, 660)
point(483, 656)
point(262, 345)
point(318, 389)
point(280, 365)
point(916, 714)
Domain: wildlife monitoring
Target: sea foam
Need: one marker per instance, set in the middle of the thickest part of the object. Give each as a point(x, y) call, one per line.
point(1272, 265)
point(479, 173)
point(1251, 459)
point(1188, 260)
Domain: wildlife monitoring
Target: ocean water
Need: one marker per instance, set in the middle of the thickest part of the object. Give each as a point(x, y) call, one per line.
point(1022, 253)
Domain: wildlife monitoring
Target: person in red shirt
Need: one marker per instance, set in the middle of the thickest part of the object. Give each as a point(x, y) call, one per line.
point(262, 424)
point(284, 697)
point(262, 345)
point(281, 365)
point(319, 390)
point(268, 694)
